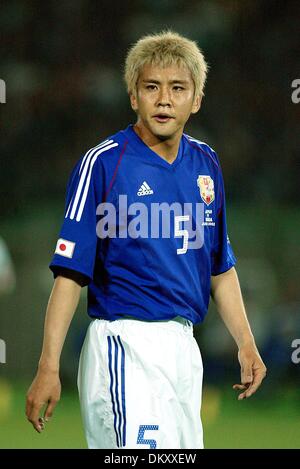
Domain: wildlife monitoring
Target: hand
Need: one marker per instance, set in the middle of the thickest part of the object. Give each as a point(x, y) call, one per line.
point(44, 390)
point(253, 371)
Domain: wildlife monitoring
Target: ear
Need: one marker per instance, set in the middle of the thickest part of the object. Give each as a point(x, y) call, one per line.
point(196, 104)
point(133, 101)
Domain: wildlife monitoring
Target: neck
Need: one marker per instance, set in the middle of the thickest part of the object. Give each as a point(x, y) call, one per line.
point(167, 149)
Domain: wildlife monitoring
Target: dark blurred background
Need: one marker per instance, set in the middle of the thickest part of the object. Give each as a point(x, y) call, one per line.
point(62, 62)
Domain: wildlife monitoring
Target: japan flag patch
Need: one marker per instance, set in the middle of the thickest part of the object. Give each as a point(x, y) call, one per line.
point(65, 248)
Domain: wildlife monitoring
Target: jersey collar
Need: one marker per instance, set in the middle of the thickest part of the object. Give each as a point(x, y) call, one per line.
point(137, 143)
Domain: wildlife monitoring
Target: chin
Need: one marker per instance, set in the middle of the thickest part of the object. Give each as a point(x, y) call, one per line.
point(163, 134)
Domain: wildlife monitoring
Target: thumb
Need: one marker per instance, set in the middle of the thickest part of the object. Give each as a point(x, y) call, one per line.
point(50, 409)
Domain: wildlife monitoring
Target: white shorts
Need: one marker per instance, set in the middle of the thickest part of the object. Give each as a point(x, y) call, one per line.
point(140, 385)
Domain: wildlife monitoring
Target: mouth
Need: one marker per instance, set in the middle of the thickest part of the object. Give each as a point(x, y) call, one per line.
point(162, 118)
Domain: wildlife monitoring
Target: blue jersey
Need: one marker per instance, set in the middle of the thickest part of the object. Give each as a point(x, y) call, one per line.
point(147, 235)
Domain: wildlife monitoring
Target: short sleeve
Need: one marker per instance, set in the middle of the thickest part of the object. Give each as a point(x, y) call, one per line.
point(222, 256)
point(77, 244)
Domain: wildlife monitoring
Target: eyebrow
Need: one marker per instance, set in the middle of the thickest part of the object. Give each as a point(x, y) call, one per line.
point(157, 82)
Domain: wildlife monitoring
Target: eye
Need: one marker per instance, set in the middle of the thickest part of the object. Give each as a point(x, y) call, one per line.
point(151, 87)
point(178, 88)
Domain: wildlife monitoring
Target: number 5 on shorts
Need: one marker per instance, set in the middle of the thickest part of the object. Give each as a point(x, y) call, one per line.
point(141, 434)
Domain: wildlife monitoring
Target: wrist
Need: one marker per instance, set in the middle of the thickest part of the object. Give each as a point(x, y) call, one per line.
point(48, 366)
point(247, 341)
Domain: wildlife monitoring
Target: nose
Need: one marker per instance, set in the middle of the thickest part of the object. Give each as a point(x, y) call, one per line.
point(164, 98)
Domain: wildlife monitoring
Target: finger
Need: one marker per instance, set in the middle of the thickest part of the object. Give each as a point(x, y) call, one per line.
point(28, 407)
point(239, 387)
point(242, 396)
point(42, 423)
point(34, 417)
point(50, 409)
point(259, 376)
point(30, 414)
point(246, 373)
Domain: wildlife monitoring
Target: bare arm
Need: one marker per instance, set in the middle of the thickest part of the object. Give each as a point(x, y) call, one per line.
point(45, 388)
point(226, 293)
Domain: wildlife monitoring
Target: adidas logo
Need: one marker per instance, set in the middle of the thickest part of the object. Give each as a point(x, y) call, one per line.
point(144, 189)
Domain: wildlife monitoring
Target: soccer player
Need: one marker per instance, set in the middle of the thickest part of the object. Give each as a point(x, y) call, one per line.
point(145, 230)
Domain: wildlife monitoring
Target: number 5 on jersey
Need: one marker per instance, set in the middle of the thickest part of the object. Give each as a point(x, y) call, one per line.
point(183, 233)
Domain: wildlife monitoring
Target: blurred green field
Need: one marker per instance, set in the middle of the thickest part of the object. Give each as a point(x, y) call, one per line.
point(261, 422)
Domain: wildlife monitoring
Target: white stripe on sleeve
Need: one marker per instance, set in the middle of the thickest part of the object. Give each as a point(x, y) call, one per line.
point(84, 164)
point(87, 183)
point(102, 144)
point(83, 176)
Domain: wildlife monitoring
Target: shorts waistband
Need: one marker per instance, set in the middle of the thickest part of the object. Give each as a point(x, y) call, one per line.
point(177, 319)
point(178, 323)
point(182, 320)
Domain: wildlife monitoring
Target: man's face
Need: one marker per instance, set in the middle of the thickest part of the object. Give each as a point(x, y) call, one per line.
point(164, 100)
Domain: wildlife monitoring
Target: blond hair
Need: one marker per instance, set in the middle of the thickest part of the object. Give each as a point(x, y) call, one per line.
point(165, 49)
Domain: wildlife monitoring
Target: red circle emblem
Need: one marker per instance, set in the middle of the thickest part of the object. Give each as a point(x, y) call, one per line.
point(62, 247)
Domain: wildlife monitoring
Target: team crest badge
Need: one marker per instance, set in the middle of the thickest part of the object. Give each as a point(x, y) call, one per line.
point(206, 188)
